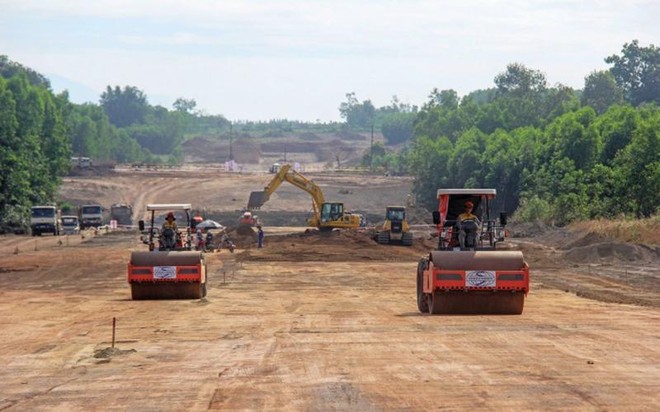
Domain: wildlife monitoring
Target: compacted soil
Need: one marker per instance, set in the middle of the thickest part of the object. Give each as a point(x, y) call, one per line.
point(316, 321)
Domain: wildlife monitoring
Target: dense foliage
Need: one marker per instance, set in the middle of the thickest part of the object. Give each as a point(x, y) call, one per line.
point(551, 154)
point(34, 146)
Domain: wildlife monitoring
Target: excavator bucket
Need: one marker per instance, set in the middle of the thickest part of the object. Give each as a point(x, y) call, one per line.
point(256, 199)
point(469, 282)
point(167, 275)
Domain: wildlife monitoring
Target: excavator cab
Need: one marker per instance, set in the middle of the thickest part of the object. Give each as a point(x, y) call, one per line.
point(331, 212)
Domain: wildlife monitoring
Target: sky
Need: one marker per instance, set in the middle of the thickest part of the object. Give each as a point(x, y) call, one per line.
point(297, 59)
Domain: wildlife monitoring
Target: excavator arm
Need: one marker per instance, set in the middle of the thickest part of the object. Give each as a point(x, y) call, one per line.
point(327, 216)
point(288, 174)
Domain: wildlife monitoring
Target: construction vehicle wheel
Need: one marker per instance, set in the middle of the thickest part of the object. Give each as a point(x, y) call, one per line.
point(183, 290)
point(383, 238)
point(435, 303)
point(407, 239)
point(422, 303)
point(462, 303)
point(138, 291)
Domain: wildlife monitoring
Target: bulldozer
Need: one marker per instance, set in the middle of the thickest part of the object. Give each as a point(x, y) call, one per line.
point(467, 274)
point(326, 215)
point(171, 268)
point(395, 229)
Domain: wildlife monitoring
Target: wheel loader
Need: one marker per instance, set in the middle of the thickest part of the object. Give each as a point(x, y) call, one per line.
point(467, 274)
point(395, 229)
point(170, 269)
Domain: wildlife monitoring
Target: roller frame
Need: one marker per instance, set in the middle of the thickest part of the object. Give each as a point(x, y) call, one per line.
point(189, 281)
point(444, 282)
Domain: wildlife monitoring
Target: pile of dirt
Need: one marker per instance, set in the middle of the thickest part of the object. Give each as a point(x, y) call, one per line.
point(529, 229)
point(612, 252)
point(242, 236)
point(334, 246)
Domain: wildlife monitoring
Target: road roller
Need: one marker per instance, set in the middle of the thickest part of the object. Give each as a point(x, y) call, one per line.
point(467, 274)
point(171, 268)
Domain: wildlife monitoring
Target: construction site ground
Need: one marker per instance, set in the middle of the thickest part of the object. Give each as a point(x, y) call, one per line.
point(317, 321)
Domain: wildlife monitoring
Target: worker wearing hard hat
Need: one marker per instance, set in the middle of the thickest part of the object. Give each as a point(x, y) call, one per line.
point(170, 222)
point(468, 227)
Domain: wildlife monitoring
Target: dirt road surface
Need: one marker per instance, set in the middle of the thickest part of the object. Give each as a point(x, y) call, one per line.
point(316, 322)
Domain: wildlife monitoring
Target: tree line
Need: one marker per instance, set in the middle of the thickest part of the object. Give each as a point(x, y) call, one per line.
point(40, 131)
point(553, 153)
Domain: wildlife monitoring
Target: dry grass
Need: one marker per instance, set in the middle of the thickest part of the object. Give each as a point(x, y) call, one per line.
point(646, 231)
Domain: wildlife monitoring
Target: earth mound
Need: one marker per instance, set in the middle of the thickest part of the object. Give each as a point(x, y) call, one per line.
point(612, 252)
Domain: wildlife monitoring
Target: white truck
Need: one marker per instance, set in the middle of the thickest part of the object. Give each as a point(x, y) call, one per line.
point(91, 216)
point(70, 225)
point(45, 219)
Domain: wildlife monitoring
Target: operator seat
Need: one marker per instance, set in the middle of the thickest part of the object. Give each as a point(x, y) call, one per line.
point(467, 234)
point(168, 239)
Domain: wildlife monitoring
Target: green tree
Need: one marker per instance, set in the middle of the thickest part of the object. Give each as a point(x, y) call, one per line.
point(639, 163)
point(125, 107)
point(184, 105)
point(572, 136)
point(357, 115)
point(637, 72)
point(398, 127)
point(428, 161)
point(616, 128)
point(601, 91)
point(465, 167)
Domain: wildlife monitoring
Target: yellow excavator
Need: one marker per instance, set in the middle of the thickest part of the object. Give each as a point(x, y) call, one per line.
point(327, 215)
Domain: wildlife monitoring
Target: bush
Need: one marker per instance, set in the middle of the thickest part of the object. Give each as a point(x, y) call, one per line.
point(534, 209)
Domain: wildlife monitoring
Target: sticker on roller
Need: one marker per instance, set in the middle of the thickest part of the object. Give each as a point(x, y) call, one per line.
point(480, 279)
point(164, 272)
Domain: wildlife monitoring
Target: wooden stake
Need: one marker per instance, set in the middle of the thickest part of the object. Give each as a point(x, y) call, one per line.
point(114, 323)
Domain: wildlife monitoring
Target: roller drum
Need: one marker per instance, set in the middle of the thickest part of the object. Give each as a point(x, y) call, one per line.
point(184, 258)
point(477, 260)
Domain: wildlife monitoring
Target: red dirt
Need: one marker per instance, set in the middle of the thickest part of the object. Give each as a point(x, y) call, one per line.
point(315, 321)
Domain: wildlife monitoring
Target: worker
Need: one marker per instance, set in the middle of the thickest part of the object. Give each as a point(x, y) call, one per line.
point(170, 222)
point(169, 231)
point(467, 213)
point(260, 237)
point(468, 224)
point(200, 239)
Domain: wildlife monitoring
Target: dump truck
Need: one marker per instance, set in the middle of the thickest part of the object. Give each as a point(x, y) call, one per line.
point(170, 269)
point(395, 229)
point(326, 215)
point(467, 274)
point(90, 216)
point(122, 213)
point(45, 219)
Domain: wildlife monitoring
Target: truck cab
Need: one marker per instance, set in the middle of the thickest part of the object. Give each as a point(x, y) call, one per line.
point(45, 219)
point(91, 216)
point(122, 213)
point(70, 225)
